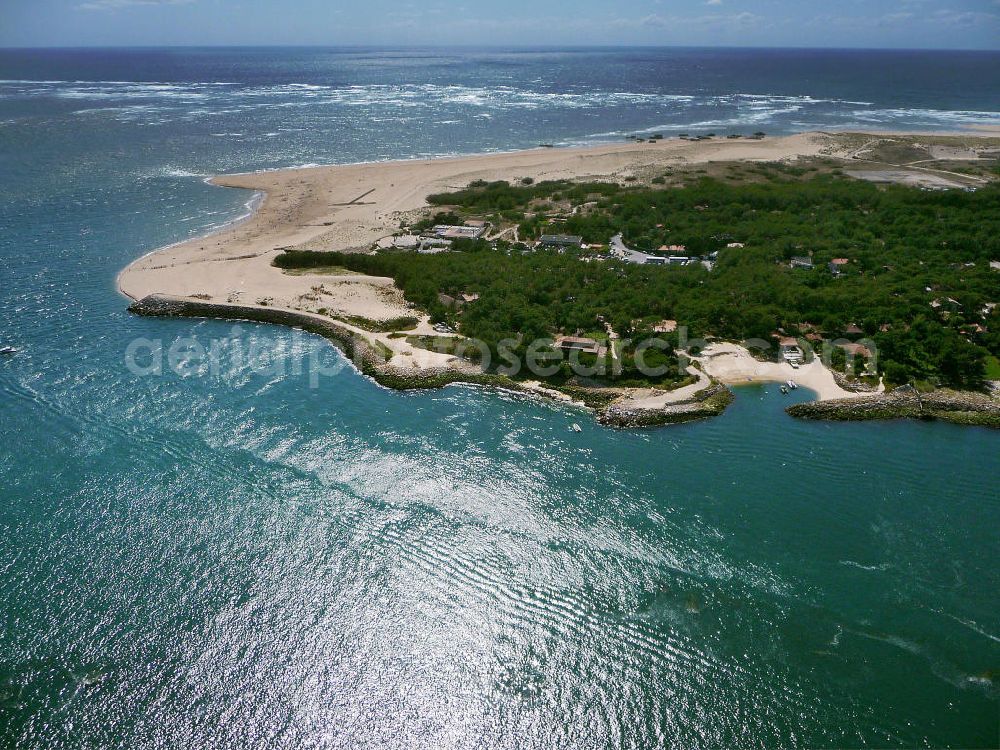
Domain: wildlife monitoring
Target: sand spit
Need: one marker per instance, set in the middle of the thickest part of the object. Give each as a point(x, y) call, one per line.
point(348, 208)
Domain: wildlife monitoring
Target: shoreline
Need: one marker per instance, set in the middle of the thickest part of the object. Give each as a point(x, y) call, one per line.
point(349, 207)
point(253, 205)
point(359, 350)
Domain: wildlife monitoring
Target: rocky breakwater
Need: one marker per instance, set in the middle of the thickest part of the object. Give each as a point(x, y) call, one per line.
point(950, 406)
point(611, 405)
point(708, 402)
point(362, 351)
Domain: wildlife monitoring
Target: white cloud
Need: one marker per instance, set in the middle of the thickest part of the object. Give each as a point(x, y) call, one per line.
point(964, 18)
point(713, 2)
point(654, 21)
point(745, 19)
point(119, 4)
point(712, 20)
point(907, 21)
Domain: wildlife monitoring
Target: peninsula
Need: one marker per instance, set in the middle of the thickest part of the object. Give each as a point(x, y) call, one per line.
point(325, 249)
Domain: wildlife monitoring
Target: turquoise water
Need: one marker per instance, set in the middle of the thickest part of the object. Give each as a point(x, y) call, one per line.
point(247, 561)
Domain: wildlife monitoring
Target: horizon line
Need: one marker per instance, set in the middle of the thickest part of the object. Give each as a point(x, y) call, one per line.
point(485, 47)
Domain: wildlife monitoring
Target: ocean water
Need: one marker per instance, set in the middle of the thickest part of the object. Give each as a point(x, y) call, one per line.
point(240, 559)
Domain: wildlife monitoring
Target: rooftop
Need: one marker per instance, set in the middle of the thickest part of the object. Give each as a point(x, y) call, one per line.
point(458, 232)
point(560, 239)
point(857, 349)
point(578, 343)
point(665, 326)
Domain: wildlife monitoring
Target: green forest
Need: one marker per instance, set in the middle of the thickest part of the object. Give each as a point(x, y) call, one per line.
point(917, 281)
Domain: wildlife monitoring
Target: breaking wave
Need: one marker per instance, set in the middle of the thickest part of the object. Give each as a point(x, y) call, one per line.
point(430, 105)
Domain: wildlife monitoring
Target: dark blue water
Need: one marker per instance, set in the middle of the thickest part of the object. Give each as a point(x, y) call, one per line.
point(247, 561)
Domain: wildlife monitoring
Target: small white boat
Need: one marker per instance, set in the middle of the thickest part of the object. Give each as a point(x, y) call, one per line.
point(791, 384)
point(8, 350)
point(784, 390)
point(576, 428)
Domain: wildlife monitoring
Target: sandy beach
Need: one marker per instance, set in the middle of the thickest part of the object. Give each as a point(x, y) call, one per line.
point(350, 207)
point(733, 364)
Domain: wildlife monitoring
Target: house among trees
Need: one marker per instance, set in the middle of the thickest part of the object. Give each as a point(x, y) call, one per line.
point(432, 245)
point(456, 302)
point(790, 349)
point(837, 264)
point(953, 303)
point(406, 242)
point(801, 261)
point(665, 326)
point(578, 344)
point(856, 350)
point(471, 230)
point(560, 240)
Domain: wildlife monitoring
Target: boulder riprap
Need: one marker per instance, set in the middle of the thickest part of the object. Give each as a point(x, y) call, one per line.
point(906, 401)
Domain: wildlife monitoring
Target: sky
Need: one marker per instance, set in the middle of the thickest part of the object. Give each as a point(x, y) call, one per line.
point(947, 24)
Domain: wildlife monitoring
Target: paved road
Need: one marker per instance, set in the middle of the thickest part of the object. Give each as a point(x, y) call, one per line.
point(632, 256)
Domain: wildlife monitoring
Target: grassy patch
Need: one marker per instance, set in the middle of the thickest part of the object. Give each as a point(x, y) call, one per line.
point(456, 346)
point(383, 351)
point(321, 271)
point(894, 152)
point(405, 323)
point(992, 368)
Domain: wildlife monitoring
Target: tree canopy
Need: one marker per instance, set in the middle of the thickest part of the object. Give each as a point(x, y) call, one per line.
point(917, 278)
